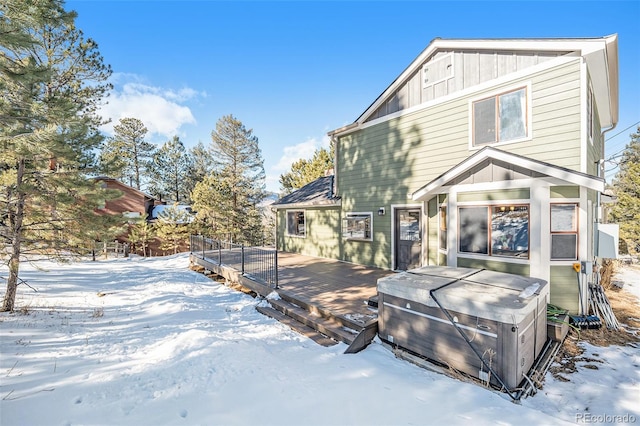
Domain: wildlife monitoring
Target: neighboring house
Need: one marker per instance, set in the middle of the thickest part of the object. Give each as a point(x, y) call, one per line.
point(133, 203)
point(482, 153)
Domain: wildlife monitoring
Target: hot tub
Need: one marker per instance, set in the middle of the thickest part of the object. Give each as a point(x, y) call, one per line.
point(480, 322)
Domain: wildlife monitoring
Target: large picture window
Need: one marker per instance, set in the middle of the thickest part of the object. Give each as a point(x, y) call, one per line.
point(474, 226)
point(296, 226)
point(500, 118)
point(564, 231)
point(357, 226)
point(510, 231)
point(494, 230)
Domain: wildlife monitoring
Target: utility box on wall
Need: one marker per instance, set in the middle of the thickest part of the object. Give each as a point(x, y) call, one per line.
point(608, 238)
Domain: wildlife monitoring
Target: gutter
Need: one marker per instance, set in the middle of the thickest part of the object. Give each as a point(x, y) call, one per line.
point(342, 130)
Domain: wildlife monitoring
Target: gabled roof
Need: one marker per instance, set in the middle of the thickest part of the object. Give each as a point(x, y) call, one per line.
point(566, 175)
point(601, 55)
point(128, 187)
point(318, 193)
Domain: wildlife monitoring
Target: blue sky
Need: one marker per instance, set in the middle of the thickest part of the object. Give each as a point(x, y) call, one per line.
point(294, 70)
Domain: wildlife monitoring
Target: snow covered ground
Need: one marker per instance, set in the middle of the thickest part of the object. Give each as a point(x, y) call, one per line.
point(149, 342)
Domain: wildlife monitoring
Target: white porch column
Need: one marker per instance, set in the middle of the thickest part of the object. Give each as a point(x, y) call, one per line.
point(452, 228)
point(539, 230)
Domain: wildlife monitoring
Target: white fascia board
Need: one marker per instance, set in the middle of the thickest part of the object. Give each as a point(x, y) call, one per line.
point(580, 46)
point(470, 91)
point(565, 175)
point(305, 205)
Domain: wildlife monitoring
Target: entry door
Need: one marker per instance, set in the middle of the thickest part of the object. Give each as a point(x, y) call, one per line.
point(408, 239)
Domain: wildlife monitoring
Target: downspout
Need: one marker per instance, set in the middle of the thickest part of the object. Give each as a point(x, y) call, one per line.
point(334, 186)
point(599, 210)
point(602, 161)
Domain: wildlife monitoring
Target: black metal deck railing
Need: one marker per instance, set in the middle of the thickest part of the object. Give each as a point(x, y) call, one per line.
point(257, 263)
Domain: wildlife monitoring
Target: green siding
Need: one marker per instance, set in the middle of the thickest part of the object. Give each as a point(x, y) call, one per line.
point(556, 117)
point(492, 265)
point(382, 164)
point(370, 253)
point(595, 148)
point(322, 233)
point(564, 287)
point(564, 192)
point(501, 194)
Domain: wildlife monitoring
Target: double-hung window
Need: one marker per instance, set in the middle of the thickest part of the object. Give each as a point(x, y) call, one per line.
point(564, 231)
point(296, 226)
point(500, 118)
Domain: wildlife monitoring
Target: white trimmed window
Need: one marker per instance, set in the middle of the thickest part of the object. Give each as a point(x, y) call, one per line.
point(494, 230)
point(357, 226)
point(500, 118)
point(564, 231)
point(296, 225)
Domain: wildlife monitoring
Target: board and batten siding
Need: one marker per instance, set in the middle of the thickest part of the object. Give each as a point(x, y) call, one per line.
point(454, 71)
point(322, 229)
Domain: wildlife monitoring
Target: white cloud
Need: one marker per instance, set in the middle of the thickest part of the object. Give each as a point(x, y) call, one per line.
point(160, 109)
point(302, 150)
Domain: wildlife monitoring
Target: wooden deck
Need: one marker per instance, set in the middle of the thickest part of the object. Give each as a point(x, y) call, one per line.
point(326, 295)
point(340, 287)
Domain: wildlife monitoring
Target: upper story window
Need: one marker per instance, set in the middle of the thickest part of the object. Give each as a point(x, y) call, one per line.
point(296, 223)
point(357, 226)
point(500, 118)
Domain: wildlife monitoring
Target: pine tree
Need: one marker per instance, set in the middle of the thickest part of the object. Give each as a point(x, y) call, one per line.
point(200, 164)
point(212, 199)
point(626, 186)
point(172, 228)
point(226, 198)
point(169, 171)
point(306, 171)
point(127, 156)
point(141, 234)
point(52, 80)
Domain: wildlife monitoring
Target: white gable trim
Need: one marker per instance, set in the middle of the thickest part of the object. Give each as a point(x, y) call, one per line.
point(600, 53)
point(564, 175)
point(470, 91)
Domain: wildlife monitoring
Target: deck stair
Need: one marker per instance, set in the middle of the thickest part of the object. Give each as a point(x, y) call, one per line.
point(320, 325)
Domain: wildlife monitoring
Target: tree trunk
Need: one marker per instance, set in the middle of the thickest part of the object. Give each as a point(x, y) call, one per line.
point(16, 240)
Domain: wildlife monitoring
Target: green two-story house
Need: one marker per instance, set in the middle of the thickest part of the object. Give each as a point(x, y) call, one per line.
point(481, 153)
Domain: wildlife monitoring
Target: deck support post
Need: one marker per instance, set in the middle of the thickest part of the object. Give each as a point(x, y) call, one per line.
point(242, 258)
point(276, 265)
